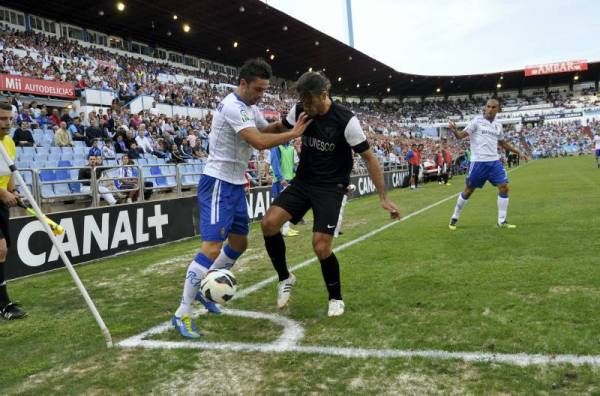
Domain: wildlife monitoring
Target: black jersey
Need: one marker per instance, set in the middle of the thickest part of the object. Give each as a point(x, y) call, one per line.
point(327, 144)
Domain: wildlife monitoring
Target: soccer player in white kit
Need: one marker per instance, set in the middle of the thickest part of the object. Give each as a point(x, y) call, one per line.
point(597, 147)
point(237, 127)
point(486, 134)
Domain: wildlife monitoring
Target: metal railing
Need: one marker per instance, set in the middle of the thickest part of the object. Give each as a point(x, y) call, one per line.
point(142, 173)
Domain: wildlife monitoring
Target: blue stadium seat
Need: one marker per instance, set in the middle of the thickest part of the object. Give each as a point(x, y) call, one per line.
point(62, 189)
point(74, 187)
point(38, 136)
point(47, 175)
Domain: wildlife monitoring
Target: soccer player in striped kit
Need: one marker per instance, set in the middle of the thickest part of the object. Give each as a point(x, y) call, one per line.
point(237, 126)
point(486, 134)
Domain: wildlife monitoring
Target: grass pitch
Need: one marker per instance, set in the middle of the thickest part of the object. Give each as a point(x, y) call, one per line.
point(416, 285)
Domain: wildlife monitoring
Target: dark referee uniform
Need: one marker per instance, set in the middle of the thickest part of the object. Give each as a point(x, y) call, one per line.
point(326, 161)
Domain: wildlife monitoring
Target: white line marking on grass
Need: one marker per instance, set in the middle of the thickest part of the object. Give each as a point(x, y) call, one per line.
point(293, 333)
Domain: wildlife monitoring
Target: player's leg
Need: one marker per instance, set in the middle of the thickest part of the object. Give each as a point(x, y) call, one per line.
point(8, 309)
point(326, 209)
point(238, 231)
point(417, 172)
point(411, 170)
point(215, 220)
point(475, 179)
point(291, 204)
point(503, 207)
point(499, 178)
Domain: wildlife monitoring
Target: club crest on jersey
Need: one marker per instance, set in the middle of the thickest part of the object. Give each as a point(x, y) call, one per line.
point(245, 116)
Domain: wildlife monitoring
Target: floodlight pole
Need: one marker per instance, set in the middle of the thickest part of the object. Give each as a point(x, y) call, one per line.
point(38, 212)
point(350, 24)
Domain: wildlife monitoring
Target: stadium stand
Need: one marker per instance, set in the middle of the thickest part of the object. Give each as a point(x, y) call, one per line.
point(392, 126)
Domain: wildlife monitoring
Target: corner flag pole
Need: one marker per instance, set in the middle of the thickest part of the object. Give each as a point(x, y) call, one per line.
point(38, 213)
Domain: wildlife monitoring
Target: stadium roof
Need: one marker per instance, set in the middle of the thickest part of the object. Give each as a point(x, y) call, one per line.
point(216, 24)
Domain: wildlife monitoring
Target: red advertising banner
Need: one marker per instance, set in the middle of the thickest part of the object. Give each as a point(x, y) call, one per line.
point(558, 67)
point(35, 86)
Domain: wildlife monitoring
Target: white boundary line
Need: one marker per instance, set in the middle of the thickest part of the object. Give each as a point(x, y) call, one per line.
point(294, 332)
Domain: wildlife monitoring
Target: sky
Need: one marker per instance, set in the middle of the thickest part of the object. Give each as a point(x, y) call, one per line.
point(457, 37)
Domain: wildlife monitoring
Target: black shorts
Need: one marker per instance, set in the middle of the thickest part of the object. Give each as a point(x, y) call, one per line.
point(325, 202)
point(4, 215)
point(414, 170)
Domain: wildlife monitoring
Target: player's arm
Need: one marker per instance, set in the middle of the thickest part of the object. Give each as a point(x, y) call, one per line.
point(356, 138)
point(9, 196)
point(263, 141)
point(508, 146)
point(459, 134)
point(376, 174)
point(275, 127)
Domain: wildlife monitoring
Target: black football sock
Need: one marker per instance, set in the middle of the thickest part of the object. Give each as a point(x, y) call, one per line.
point(331, 275)
point(4, 300)
point(275, 246)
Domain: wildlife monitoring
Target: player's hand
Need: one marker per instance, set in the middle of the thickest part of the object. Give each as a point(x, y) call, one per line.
point(452, 126)
point(301, 124)
point(284, 183)
point(388, 205)
point(8, 198)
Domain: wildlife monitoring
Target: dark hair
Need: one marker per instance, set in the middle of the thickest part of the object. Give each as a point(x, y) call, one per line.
point(255, 68)
point(6, 106)
point(312, 84)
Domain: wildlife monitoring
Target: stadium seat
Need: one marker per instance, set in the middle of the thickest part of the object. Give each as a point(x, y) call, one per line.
point(74, 187)
point(47, 175)
point(61, 189)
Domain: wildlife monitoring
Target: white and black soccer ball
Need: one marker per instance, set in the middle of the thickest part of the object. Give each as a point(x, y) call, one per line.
point(219, 286)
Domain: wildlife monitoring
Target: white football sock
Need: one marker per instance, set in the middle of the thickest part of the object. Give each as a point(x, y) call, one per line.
point(285, 228)
point(194, 275)
point(460, 204)
point(502, 209)
point(226, 258)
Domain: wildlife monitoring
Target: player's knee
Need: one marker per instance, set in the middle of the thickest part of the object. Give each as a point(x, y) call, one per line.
point(211, 250)
point(322, 248)
point(269, 225)
point(3, 253)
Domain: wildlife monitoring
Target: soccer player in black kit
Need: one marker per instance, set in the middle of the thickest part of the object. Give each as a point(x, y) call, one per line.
point(323, 174)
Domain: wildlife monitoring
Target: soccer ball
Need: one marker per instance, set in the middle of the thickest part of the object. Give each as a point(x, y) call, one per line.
point(218, 286)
